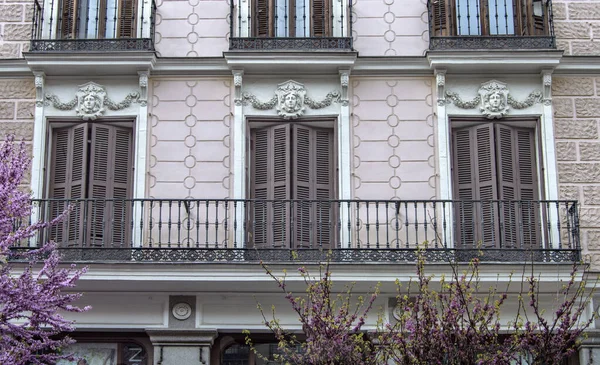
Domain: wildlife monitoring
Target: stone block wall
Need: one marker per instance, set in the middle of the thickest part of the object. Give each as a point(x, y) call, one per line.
point(577, 26)
point(576, 124)
point(15, 27)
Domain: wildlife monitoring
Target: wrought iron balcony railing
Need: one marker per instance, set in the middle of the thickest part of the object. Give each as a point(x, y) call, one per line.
point(299, 25)
point(353, 230)
point(93, 26)
point(484, 25)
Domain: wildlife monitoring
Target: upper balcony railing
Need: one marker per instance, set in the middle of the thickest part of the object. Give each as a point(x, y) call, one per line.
point(93, 26)
point(299, 25)
point(196, 230)
point(490, 24)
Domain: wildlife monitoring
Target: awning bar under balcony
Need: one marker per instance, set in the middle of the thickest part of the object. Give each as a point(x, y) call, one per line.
point(508, 228)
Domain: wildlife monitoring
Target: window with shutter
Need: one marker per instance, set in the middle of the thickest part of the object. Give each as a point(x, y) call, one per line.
point(488, 17)
point(292, 18)
point(92, 172)
point(292, 185)
point(96, 19)
point(495, 179)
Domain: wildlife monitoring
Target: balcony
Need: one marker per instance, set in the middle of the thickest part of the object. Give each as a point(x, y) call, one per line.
point(290, 25)
point(94, 26)
point(194, 230)
point(490, 25)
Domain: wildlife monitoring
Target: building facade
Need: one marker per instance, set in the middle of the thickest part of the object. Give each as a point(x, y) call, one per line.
point(195, 138)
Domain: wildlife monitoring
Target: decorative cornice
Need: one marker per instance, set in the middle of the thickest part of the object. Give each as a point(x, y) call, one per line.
point(143, 81)
point(39, 81)
point(290, 100)
point(90, 101)
point(494, 100)
point(456, 99)
point(532, 98)
point(237, 84)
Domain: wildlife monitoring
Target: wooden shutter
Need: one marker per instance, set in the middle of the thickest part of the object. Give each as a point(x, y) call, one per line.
point(271, 186)
point(109, 176)
point(264, 18)
point(441, 17)
point(324, 188)
point(127, 19)
point(475, 179)
point(67, 181)
point(532, 17)
point(517, 182)
point(68, 19)
point(313, 187)
point(321, 18)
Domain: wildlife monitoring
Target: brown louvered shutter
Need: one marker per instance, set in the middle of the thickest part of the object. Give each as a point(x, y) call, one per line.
point(326, 216)
point(270, 186)
point(517, 186)
point(67, 181)
point(442, 21)
point(313, 186)
point(303, 191)
point(321, 18)
point(475, 179)
point(127, 19)
point(109, 176)
point(121, 168)
point(264, 17)
point(68, 19)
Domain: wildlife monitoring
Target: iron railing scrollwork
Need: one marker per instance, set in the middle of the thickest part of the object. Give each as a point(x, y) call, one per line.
point(223, 230)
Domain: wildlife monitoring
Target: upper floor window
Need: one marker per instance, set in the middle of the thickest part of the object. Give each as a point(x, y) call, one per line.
point(93, 25)
point(292, 176)
point(495, 168)
point(291, 24)
point(495, 19)
point(91, 170)
point(292, 18)
point(80, 19)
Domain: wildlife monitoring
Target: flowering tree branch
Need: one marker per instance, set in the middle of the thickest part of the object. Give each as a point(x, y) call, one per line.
point(30, 323)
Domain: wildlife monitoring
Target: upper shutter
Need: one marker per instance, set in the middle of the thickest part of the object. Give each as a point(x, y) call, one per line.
point(321, 18)
point(271, 186)
point(127, 18)
point(67, 181)
point(441, 17)
point(68, 19)
point(263, 18)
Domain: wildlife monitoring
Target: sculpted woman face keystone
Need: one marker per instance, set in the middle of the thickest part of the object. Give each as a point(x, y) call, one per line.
point(89, 103)
point(290, 102)
point(496, 101)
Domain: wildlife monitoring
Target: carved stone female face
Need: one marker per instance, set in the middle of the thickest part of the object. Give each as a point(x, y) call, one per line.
point(496, 101)
point(89, 104)
point(290, 102)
